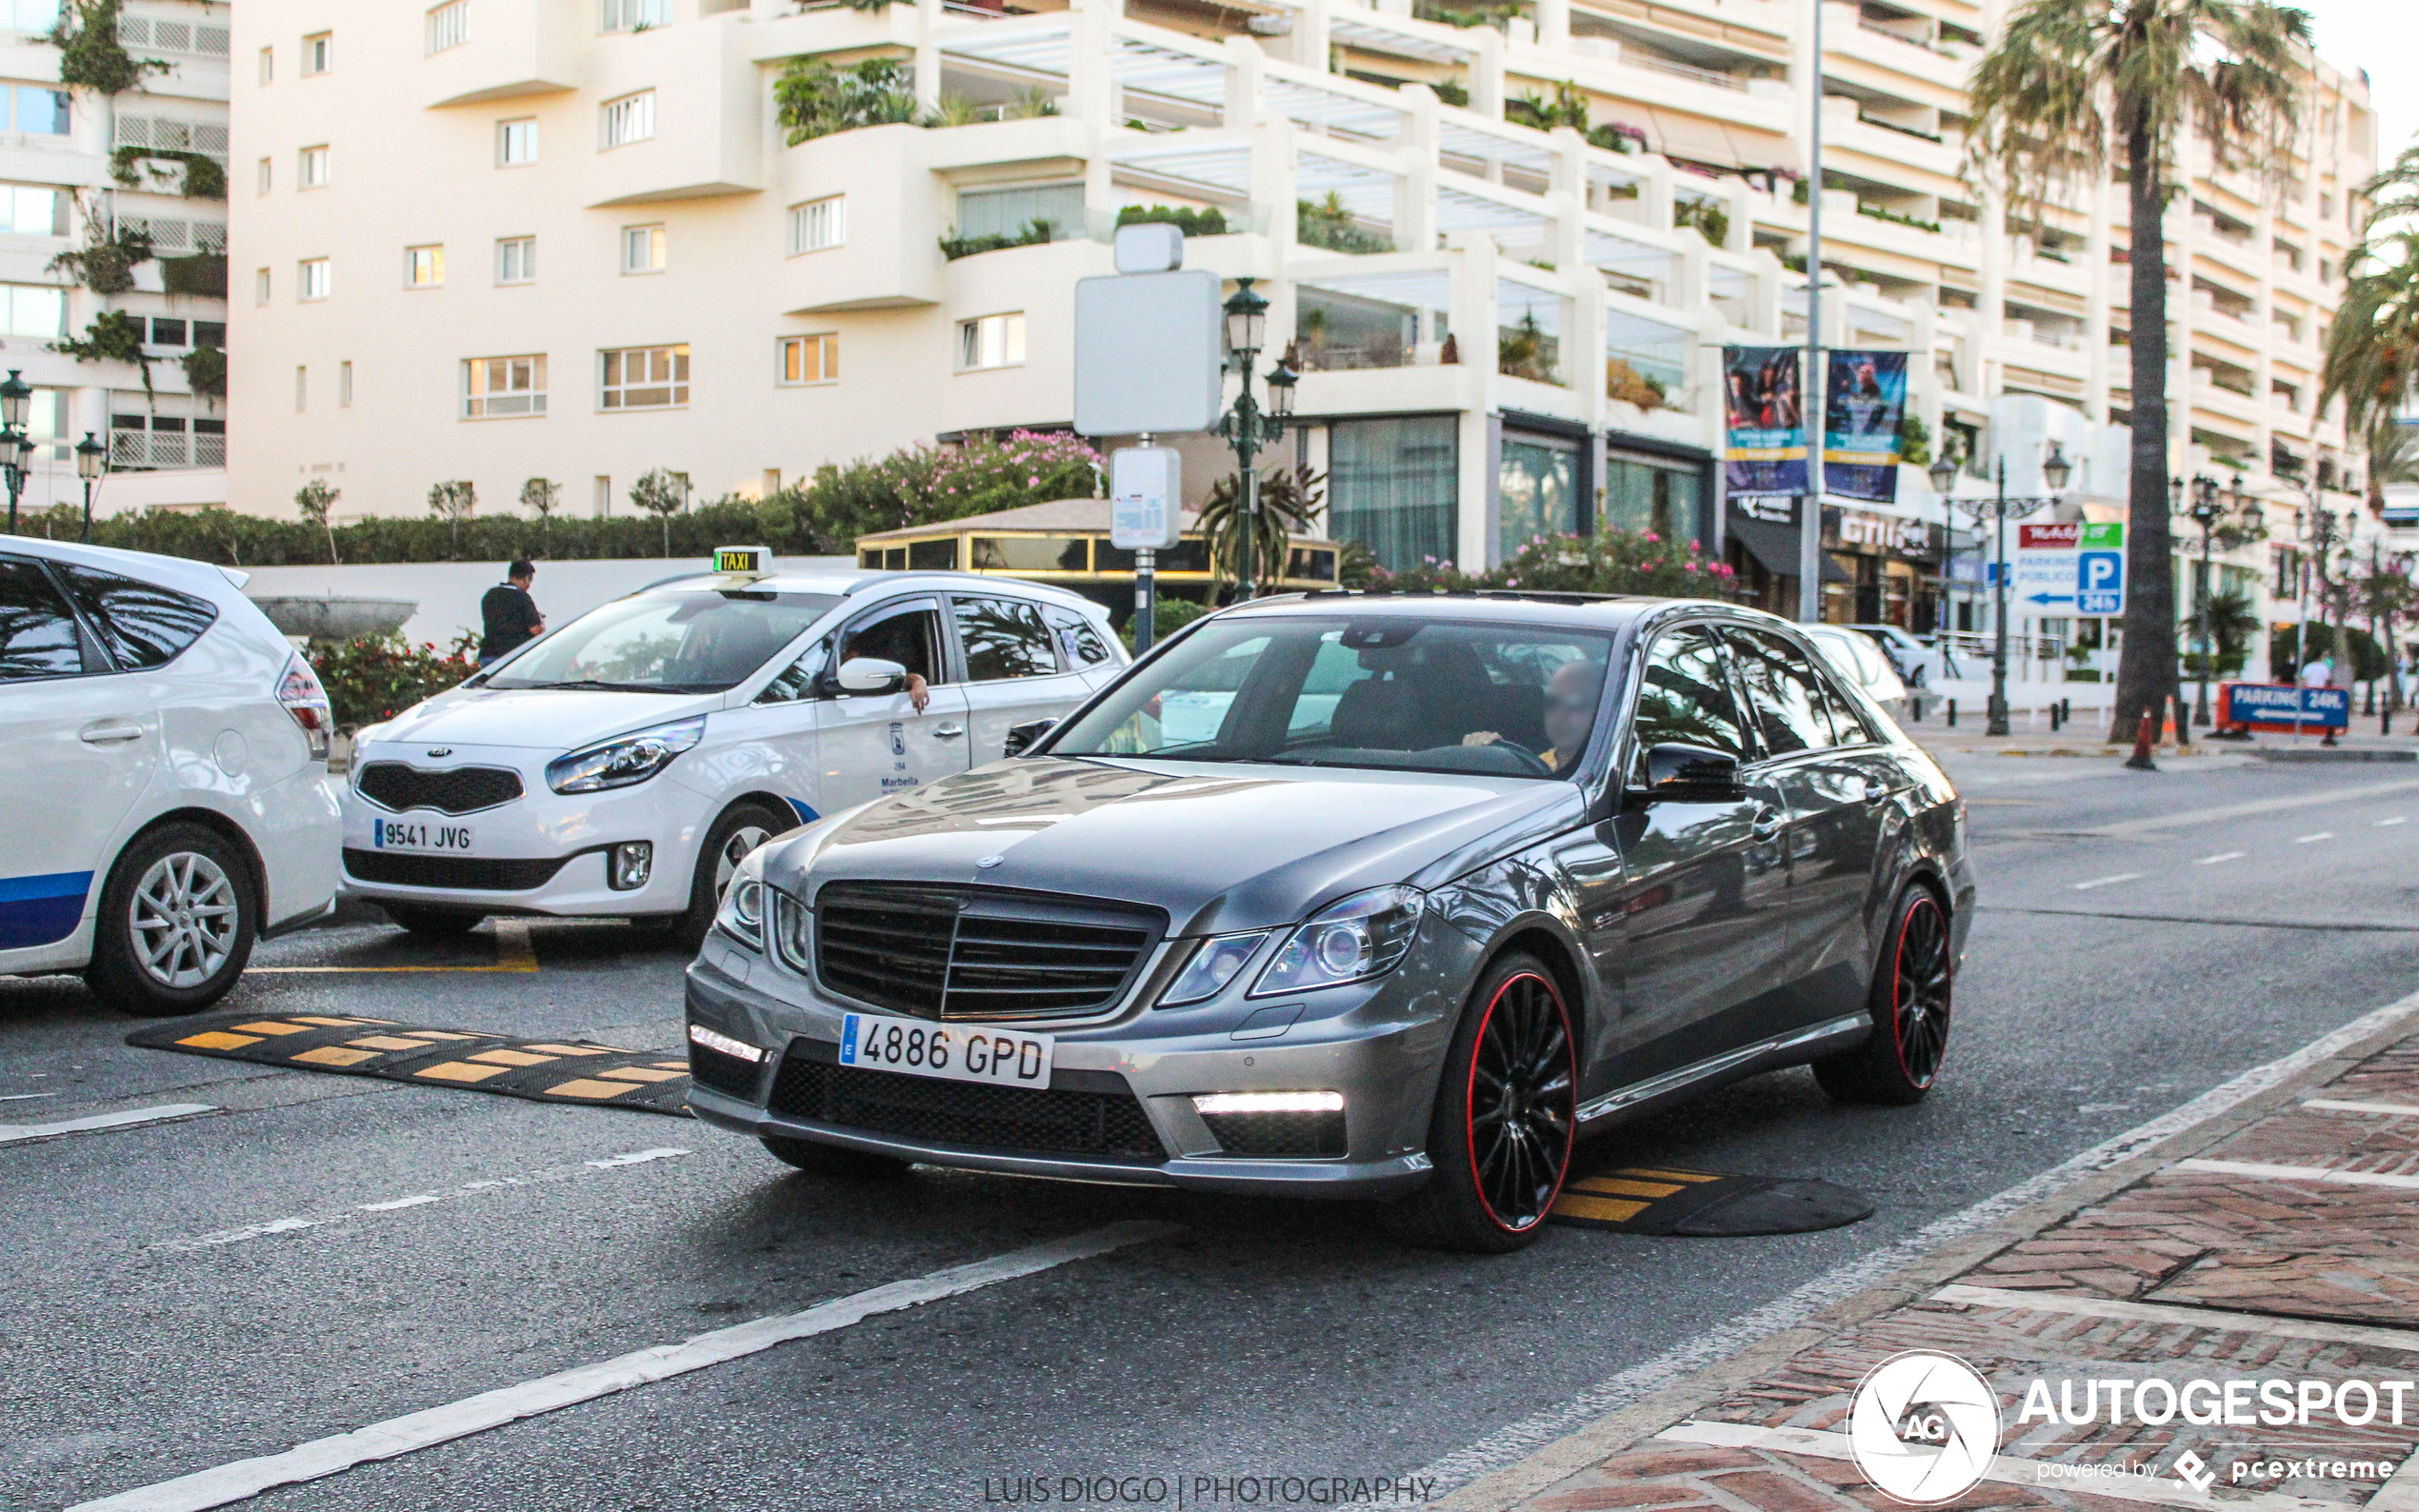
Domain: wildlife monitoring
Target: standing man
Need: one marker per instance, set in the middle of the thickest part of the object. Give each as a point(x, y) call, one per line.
point(510, 616)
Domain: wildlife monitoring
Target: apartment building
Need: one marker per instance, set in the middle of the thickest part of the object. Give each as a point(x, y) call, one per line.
point(75, 168)
point(499, 239)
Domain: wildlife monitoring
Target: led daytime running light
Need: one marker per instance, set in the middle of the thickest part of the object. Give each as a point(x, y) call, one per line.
point(724, 1044)
point(1214, 1104)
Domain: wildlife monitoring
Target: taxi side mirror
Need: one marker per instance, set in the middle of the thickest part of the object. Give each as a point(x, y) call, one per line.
point(866, 675)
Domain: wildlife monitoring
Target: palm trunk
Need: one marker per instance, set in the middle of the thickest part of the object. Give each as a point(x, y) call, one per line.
point(2145, 665)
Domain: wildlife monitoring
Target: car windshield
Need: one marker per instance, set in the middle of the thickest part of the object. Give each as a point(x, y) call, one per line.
point(691, 642)
point(1409, 695)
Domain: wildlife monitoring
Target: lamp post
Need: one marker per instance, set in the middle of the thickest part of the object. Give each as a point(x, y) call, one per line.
point(2055, 469)
point(91, 461)
point(1247, 426)
point(15, 395)
point(2205, 512)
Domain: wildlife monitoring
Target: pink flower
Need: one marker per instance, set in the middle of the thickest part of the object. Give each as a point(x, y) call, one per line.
point(1649, 535)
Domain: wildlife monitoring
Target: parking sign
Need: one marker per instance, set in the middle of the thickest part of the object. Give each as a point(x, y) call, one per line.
point(2099, 582)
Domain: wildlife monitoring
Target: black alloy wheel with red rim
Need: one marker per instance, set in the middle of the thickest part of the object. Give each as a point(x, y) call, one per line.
point(1911, 1001)
point(1506, 1117)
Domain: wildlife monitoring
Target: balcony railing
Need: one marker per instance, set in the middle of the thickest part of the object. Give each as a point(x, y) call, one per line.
point(145, 451)
point(1683, 70)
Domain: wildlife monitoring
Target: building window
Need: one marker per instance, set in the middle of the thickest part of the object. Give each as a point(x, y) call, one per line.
point(818, 224)
point(497, 388)
point(448, 26)
point(344, 386)
point(264, 176)
point(310, 168)
point(516, 142)
point(631, 118)
point(1014, 212)
point(310, 278)
point(32, 309)
point(990, 341)
point(643, 249)
point(632, 15)
point(260, 287)
point(517, 260)
point(645, 378)
point(168, 331)
point(601, 495)
point(1393, 486)
point(302, 389)
point(25, 210)
point(316, 54)
point(38, 111)
point(424, 266)
point(268, 63)
point(809, 359)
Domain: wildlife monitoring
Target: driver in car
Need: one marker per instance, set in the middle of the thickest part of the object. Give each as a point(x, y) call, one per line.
point(1571, 695)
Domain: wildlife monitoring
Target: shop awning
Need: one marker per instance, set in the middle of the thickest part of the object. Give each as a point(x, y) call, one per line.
point(1775, 545)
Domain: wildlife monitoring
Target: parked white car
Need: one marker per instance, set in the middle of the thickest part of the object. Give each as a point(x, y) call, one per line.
point(623, 766)
point(167, 800)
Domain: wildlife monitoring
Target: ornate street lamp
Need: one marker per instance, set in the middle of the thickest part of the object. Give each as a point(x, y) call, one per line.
point(2206, 512)
point(15, 396)
point(92, 462)
point(2055, 471)
point(1245, 425)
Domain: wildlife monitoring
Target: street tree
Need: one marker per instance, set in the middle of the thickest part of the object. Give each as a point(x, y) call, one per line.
point(453, 503)
point(2076, 86)
point(662, 494)
point(540, 496)
point(314, 499)
point(2372, 345)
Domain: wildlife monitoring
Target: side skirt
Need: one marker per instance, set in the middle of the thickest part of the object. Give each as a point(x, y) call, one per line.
point(1797, 1044)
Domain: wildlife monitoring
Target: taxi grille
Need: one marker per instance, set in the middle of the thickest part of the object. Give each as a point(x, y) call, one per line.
point(946, 952)
point(1098, 1124)
point(470, 874)
point(458, 790)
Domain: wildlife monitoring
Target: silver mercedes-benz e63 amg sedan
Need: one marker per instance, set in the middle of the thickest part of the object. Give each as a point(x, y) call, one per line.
point(1349, 895)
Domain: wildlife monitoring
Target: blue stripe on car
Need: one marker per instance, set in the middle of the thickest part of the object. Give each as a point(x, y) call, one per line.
point(37, 910)
point(805, 815)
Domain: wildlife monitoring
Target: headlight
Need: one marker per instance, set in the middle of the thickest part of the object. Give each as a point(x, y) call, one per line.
point(1212, 967)
point(1352, 940)
point(794, 933)
point(743, 910)
point(624, 761)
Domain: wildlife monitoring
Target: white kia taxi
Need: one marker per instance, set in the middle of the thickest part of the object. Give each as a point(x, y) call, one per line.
point(623, 764)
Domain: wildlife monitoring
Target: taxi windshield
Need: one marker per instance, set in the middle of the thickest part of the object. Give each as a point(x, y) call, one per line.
point(1502, 700)
point(704, 641)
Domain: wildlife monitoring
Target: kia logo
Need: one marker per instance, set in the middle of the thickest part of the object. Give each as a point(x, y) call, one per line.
point(436, 751)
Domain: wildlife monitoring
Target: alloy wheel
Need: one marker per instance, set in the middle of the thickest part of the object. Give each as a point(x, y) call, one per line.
point(184, 917)
point(1524, 1110)
point(1921, 1005)
point(734, 850)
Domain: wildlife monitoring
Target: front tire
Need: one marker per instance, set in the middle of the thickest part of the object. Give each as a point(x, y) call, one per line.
point(176, 925)
point(1910, 1002)
point(1507, 1116)
point(741, 829)
point(832, 1159)
point(433, 923)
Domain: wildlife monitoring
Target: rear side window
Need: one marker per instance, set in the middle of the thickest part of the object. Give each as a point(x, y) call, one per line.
point(144, 624)
point(1784, 694)
point(1003, 637)
point(37, 631)
point(1080, 643)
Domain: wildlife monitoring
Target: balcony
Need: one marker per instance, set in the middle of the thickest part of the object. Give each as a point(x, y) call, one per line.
point(153, 450)
point(700, 147)
point(507, 49)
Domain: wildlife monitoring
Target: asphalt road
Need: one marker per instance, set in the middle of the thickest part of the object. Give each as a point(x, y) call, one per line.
point(326, 1252)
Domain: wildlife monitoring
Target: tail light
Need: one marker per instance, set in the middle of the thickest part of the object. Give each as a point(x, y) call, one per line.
point(299, 692)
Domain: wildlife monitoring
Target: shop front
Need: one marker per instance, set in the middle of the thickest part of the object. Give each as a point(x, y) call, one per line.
point(1876, 569)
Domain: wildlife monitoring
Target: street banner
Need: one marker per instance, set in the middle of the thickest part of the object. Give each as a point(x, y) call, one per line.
point(2070, 568)
point(2274, 705)
point(1765, 415)
point(1861, 416)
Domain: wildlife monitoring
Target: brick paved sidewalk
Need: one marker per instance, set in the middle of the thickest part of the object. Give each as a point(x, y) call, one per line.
point(2276, 1242)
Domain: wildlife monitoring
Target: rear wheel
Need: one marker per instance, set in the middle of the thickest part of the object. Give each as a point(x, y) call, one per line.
point(435, 923)
point(832, 1160)
point(741, 829)
point(176, 922)
point(1910, 1002)
point(1507, 1116)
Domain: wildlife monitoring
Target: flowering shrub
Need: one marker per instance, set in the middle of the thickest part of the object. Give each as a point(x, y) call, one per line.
point(1638, 562)
point(1028, 468)
point(375, 677)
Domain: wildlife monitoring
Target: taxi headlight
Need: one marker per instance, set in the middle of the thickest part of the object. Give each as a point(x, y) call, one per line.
point(1350, 940)
point(624, 761)
point(741, 916)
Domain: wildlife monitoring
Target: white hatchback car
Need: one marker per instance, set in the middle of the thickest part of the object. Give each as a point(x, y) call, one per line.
point(167, 800)
point(623, 766)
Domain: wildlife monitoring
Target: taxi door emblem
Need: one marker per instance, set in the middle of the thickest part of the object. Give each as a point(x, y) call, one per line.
point(436, 753)
point(898, 739)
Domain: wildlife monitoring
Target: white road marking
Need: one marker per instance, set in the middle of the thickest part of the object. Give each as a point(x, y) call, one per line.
point(26, 1097)
point(492, 1409)
point(2303, 840)
point(2107, 881)
point(1516, 1441)
point(2340, 1106)
point(420, 1200)
point(237, 1236)
point(17, 1133)
point(2264, 805)
point(2397, 1339)
point(2265, 1171)
point(2383, 823)
point(2222, 855)
point(640, 1157)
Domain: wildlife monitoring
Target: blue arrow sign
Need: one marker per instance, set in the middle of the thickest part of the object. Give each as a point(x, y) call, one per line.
point(2049, 598)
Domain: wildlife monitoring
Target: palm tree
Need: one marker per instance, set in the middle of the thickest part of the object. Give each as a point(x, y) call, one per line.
point(2372, 345)
point(2073, 86)
point(1288, 503)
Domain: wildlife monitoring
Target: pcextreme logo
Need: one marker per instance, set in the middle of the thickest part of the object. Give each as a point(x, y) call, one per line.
point(1923, 1427)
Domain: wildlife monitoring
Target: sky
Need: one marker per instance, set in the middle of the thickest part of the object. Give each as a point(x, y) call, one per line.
point(2383, 37)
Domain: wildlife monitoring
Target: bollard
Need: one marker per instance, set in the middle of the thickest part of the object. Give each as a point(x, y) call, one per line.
point(1952, 713)
point(2053, 719)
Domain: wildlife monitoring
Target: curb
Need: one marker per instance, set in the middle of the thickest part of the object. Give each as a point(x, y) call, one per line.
point(1628, 1427)
point(2337, 755)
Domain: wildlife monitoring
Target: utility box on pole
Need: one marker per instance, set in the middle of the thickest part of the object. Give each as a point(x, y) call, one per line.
point(1146, 493)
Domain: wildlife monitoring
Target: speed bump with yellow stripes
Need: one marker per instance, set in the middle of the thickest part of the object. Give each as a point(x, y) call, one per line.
point(544, 1070)
point(1706, 1204)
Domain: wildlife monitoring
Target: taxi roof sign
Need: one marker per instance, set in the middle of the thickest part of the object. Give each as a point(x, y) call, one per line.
point(756, 560)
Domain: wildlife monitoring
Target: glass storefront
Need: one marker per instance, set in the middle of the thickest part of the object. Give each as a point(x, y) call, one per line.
point(1652, 493)
point(1537, 481)
point(1392, 485)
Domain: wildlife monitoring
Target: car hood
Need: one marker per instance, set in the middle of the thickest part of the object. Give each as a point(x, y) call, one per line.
point(1218, 846)
point(557, 719)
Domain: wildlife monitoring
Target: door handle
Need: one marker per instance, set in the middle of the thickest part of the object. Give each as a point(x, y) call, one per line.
point(109, 733)
point(948, 731)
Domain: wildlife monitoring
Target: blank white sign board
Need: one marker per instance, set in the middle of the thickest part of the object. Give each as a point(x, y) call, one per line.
point(1147, 353)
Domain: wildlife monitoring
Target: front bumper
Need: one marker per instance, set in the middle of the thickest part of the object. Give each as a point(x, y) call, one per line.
point(1379, 1045)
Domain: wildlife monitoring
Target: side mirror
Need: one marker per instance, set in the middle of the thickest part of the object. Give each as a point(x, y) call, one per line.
point(1690, 774)
point(1021, 738)
point(870, 674)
